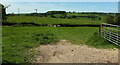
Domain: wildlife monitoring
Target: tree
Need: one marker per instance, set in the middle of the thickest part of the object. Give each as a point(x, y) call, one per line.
point(3, 13)
point(73, 16)
point(92, 16)
point(52, 16)
point(109, 19)
point(117, 19)
point(55, 12)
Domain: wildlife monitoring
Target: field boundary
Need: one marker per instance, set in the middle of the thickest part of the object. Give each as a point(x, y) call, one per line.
point(35, 24)
point(110, 32)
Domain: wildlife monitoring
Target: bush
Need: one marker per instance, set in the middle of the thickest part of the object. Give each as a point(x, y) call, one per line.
point(117, 19)
point(52, 16)
point(72, 16)
point(109, 19)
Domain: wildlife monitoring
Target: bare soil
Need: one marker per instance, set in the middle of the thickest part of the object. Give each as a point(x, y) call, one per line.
point(65, 52)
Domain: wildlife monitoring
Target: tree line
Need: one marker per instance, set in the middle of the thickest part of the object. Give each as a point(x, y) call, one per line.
point(113, 19)
point(62, 14)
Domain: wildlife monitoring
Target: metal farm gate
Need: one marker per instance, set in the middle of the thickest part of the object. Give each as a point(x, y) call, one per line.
point(110, 32)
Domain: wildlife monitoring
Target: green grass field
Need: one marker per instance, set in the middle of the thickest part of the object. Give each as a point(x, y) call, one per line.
point(18, 40)
point(47, 20)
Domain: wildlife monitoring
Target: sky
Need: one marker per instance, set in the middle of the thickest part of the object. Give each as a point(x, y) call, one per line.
point(59, 0)
point(29, 7)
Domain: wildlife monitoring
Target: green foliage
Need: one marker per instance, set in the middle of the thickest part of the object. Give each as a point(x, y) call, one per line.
point(117, 19)
point(98, 41)
point(52, 16)
point(109, 19)
point(92, 16)
point(113, 19)
point(73, 16)
point(63, 14)
point(56, 12)
point(34, 14)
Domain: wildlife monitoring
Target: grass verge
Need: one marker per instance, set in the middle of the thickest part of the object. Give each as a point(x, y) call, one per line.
point(98, 41)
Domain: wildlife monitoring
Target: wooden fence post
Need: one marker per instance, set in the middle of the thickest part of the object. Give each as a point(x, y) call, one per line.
point(100, 29)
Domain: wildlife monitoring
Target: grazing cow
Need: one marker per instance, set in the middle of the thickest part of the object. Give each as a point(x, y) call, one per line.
point(58, 25)
point(55, 25)
point(49, 25)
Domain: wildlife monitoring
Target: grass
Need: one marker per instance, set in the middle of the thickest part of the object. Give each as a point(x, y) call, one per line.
point(18, 40)
point(75, 34)
point(47, 20)
point(98, 41)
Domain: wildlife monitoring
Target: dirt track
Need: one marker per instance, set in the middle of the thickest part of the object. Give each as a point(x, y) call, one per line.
point(65, 52)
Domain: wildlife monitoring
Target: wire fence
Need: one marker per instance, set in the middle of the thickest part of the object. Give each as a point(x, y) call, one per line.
point(111, 33)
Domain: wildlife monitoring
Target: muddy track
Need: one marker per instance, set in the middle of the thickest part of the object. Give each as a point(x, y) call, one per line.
point(65, 52)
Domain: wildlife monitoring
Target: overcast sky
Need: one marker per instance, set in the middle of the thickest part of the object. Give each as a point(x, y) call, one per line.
point(29, 7)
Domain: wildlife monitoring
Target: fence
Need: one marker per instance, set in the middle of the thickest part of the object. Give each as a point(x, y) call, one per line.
point(111, 33)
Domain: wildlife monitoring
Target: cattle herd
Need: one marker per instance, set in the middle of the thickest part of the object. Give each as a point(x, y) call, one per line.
point(54, 25)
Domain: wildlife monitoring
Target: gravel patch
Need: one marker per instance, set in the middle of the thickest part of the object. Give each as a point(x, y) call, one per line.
point(65, 52)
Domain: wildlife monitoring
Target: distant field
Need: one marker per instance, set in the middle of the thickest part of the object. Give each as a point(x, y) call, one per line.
point(18, 40)
point(47, 20)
